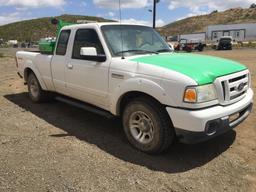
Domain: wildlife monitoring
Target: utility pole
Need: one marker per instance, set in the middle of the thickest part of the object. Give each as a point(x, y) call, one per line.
point(154, 13)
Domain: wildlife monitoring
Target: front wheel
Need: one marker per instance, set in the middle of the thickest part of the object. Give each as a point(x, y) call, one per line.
point(148, 126)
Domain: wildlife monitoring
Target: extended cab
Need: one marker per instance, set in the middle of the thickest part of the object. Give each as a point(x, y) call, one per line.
point(129, 71)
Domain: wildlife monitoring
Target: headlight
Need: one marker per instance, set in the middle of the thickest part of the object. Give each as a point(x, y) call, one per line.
point(200, 94)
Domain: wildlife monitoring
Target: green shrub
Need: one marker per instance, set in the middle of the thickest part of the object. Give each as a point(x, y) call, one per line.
point(1, 55)
point(250, 44)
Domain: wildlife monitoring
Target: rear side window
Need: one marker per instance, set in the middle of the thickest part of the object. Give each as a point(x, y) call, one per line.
point(63, 42)
point(86, 38)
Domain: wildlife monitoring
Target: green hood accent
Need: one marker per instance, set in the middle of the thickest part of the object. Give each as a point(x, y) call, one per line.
point(203, 69)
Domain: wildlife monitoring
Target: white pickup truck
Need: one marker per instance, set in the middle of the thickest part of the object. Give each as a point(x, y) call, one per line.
point(129, 71)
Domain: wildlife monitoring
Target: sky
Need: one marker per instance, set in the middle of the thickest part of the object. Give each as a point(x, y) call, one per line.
point(133, 11)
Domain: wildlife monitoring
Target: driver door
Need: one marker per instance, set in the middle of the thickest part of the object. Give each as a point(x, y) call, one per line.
point(86, 76)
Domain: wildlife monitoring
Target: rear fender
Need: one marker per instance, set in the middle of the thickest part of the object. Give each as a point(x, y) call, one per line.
point(30, 66)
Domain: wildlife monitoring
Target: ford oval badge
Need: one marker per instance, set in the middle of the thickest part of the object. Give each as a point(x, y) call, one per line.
point(240, 87)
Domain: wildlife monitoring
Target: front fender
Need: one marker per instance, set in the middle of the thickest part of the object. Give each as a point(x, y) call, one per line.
point(142, 85)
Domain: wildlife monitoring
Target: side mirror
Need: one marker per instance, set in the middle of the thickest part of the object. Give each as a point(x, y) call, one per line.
point(90, 54)
point(88, 51)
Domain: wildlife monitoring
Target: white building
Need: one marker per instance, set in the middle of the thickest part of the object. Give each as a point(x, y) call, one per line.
point(239, 32)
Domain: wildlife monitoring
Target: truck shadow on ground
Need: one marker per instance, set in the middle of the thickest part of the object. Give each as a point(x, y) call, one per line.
point(107, 134)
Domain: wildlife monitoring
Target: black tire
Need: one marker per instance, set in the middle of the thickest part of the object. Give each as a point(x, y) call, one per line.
point(163, 131)
point(187, 49)
point(200, 48)
point(35, 91)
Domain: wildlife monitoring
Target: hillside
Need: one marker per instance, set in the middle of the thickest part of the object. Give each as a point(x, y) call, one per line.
point(199, 23)
point(37, 28)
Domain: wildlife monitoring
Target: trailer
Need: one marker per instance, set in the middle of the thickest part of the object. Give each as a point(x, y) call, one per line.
point(200, 37)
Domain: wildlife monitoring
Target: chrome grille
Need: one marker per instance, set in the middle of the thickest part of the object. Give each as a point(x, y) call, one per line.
point(232, 88)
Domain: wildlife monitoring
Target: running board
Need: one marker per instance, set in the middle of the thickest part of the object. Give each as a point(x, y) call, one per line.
point(84, 106)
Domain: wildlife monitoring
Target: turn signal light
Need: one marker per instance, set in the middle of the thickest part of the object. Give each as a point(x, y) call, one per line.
point(190, 96)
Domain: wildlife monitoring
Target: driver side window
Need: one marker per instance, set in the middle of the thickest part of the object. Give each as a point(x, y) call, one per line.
point(86, 38)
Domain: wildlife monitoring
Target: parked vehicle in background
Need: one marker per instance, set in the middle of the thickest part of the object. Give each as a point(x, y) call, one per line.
point(200, 37)
point(171, 45)
point(189, 45)
point(26, 44)
point(224, 43)
point(13, 43)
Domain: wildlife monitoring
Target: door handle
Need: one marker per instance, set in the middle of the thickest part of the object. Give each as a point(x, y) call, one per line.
point(69, 66)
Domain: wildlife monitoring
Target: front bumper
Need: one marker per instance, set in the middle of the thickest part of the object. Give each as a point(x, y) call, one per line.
point(193, 126)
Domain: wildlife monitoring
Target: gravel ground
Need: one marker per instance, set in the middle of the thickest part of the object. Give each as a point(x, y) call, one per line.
point(56, 147)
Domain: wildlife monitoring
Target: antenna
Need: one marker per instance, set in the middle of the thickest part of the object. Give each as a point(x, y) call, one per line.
point(120, 17)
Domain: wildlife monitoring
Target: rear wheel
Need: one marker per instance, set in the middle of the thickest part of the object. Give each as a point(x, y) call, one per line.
point(148, 126)
point(200, 48)
point(35, 91)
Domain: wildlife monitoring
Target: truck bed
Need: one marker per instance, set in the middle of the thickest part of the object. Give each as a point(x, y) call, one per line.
point(39, 63)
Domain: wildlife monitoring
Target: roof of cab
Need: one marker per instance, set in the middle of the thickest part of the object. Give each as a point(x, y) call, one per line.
point(75, 26)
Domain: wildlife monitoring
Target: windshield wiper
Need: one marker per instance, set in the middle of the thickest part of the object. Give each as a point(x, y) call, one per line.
point(163, 50)
point(137, 50)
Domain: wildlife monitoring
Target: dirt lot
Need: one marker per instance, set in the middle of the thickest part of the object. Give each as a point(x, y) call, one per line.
point(56, 147)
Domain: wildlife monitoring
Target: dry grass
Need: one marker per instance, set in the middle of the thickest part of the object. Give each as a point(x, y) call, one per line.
point(55, 147)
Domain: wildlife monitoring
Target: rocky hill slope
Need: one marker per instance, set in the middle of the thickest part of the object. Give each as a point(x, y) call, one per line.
point(33, 30)
point(200, 23)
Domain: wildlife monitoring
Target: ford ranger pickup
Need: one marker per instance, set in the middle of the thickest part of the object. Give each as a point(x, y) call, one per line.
point(129, 71)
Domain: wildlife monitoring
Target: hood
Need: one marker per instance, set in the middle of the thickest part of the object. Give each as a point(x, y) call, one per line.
point(203, 69)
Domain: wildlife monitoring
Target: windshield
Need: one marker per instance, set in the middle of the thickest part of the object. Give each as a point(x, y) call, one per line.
point(225, 40)
point(136, 40)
